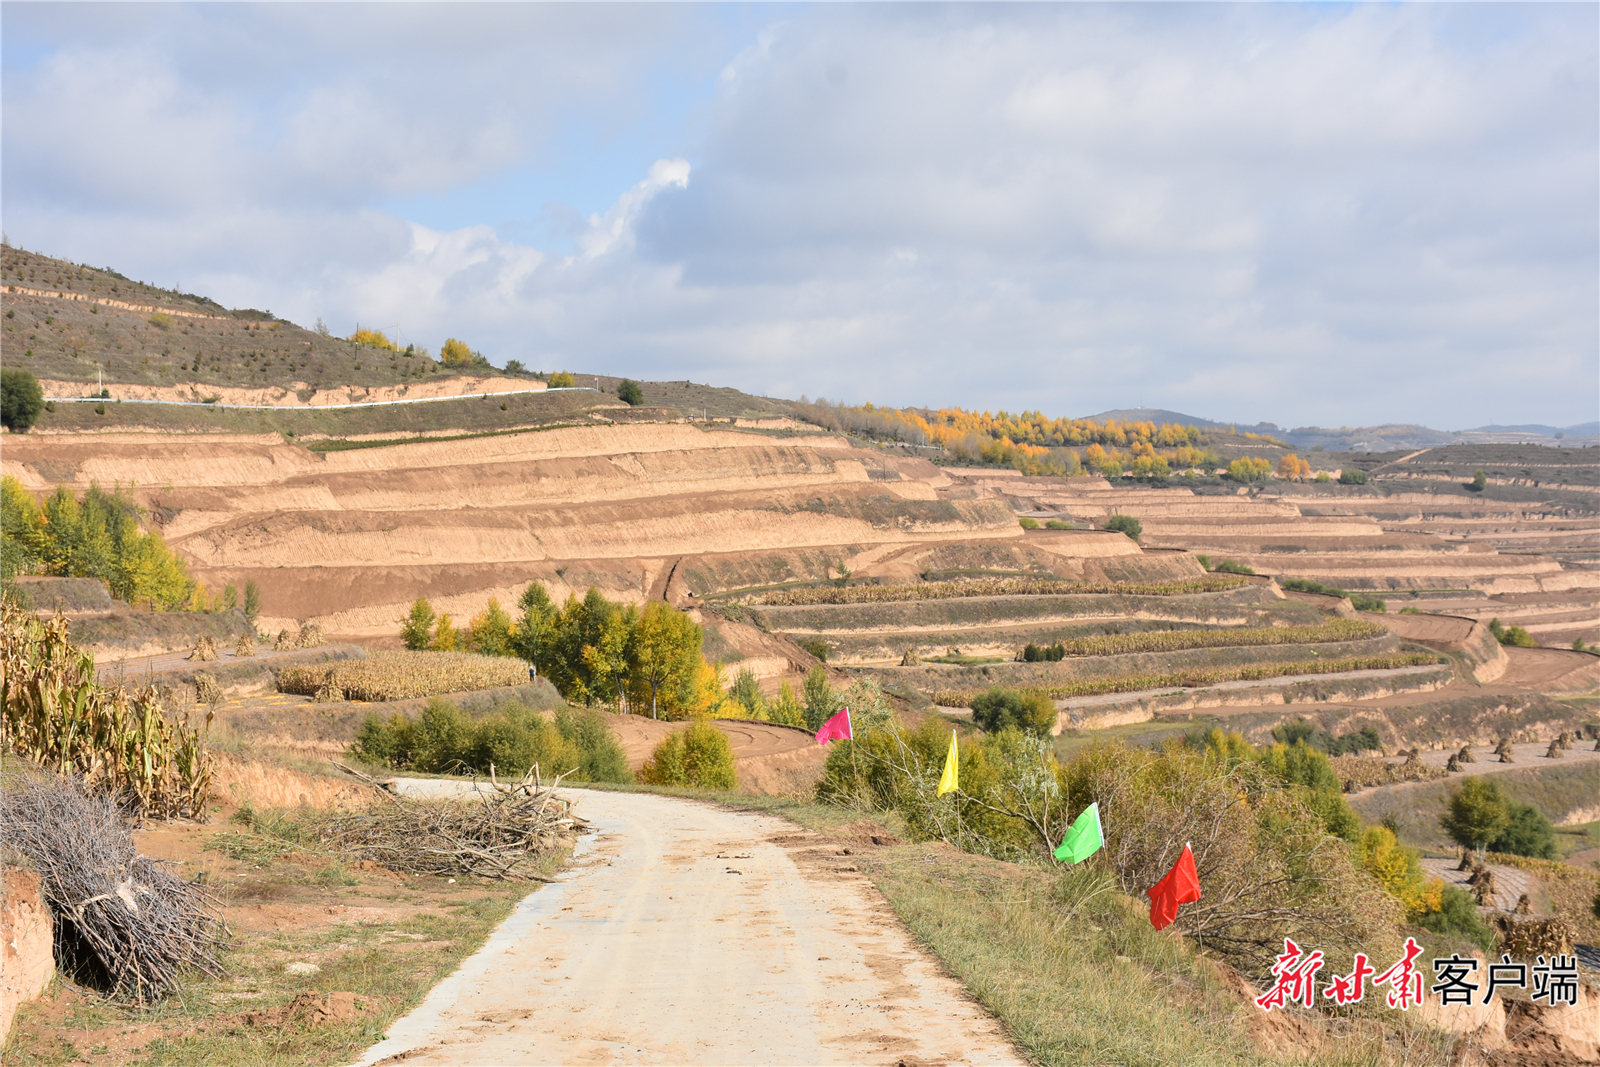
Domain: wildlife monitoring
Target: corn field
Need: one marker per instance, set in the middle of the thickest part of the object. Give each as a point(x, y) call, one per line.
point(402, 675)
point(1239, 637)
point(955, 590)
point(57, 716)
point(1200, 676)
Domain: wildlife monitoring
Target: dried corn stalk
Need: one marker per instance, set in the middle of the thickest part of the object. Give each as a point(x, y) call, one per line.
point(57, 716)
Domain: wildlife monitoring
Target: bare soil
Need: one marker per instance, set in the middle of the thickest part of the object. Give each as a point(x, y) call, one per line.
point(692, 934)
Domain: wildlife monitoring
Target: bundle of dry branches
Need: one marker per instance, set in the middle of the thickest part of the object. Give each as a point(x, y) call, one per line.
point(124, 921)
point(501, 831)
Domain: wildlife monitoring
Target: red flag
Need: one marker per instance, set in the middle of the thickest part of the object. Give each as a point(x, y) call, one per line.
point(1180, 886)
point(836, 728)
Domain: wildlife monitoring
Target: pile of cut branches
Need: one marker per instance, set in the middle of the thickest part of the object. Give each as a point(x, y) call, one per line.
point(124, 922)
point(500, 831)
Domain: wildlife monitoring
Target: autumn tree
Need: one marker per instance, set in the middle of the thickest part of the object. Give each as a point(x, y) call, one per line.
point(562, 380)
point(1247, 469)
point(455, 353)
point(1293, 468)
point(665, 655)
point(417, 631)
point(446, 638)
point(491, 631)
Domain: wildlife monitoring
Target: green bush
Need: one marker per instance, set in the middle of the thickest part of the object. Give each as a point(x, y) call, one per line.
point(1057, 524)
point(1125, 524)
point(1529, 833)
point(1353, 476)
point(630, 392)
point(1032, 653)
point(21, 399)
point(1517, 637)
point(1458, 914)
point(1228, 566)
point(999, 709)
point(817, 647)
point(1345, 744)
point(820, 699)
point(1027, 523)
point(700, 757)
point(573, 741)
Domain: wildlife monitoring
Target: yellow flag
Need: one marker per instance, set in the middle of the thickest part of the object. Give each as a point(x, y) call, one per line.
point(950, 780)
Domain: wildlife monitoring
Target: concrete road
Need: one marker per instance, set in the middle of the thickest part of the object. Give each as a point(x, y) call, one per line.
point(686, 934)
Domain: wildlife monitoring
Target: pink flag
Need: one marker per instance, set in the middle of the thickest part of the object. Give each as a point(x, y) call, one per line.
point(836, 728)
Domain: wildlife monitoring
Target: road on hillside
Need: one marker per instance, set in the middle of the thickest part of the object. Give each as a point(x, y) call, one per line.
point(688, 934)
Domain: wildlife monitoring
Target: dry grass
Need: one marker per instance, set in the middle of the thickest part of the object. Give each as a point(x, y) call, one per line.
point(1236, 637)
point(1198, 677)
point(1367, 771)
point(877, 594)
point(404, 675)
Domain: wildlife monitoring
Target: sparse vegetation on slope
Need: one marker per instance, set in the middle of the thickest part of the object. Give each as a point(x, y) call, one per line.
point(976, 587)
point(1220, 637)
point(1195, 678)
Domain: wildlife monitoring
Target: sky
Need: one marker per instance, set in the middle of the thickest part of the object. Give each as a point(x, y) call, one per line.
point(1307, 214)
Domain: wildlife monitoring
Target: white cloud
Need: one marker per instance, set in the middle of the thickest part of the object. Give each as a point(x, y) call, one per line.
point(1296, 213)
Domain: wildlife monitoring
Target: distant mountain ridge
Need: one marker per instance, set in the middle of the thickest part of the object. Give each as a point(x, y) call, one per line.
point(1385, 438)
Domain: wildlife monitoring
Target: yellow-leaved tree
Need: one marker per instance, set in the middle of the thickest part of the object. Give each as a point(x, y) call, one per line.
point(375, 338)
point(455, 353)
point(1293, 468)
point(1397, 869)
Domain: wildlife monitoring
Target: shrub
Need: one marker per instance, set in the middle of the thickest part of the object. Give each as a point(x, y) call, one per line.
point(1518, 637)
point(1479, 480)
point(1001, 709)
point(1228, 566)
point(562, 380)
point(1528, 833)
point(21, 399)
point(1028, 524)
point(817, 647)
point(1353, 476)
point(746, 693)
point(700, 757)
point(630, 392)
point(1057, 524)
point(442, 740)
point(820, 699)
point(1399, 871)
point(1268, 867)
point(1043, 654)
point(1457, 913)
point(1125, 524)
point(786, 709)
point(514, 366)
point(1368, 602)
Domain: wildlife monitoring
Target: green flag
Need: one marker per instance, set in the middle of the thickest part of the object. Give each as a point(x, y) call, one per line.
point(1083, 840)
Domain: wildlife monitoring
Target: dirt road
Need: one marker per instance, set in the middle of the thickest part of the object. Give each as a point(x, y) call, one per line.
point(688, 934)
